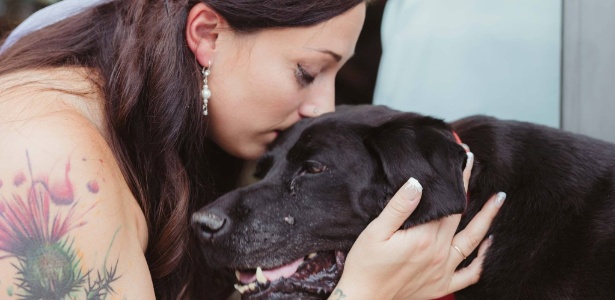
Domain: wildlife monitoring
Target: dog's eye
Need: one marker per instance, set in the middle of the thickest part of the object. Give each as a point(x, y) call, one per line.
point(314, 167)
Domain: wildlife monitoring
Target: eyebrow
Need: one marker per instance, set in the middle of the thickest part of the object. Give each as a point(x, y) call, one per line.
point(335, 56)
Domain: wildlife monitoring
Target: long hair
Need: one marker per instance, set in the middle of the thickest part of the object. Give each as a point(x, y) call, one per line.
point(151, 81)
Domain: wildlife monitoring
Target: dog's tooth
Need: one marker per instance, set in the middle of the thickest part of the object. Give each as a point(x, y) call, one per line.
point(252, 286)
point(238, 275)
point(241, 288)
point(312, 255)
point(260, 277)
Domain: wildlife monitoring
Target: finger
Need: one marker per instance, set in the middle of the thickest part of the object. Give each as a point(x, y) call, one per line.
point(468, 170)
point(448, 227)
point(468, 239)
point(469, 275)
point(397, 210)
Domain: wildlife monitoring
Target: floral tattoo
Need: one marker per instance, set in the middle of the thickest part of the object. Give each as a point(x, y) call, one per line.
point(35, 230)
point(339, 294)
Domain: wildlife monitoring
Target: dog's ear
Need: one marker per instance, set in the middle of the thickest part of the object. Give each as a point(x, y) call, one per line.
point(411, 145)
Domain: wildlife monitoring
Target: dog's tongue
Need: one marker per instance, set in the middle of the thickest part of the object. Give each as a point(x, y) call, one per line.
point(272, 274)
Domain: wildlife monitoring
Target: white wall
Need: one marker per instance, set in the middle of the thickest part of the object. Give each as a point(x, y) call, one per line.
point(589, 68)
point(453, 58)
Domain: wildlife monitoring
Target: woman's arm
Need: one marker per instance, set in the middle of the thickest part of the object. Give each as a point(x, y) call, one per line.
point(419, 262)
point(69, 226)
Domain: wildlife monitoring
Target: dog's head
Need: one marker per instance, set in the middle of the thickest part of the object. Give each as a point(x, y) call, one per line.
point(322, 182)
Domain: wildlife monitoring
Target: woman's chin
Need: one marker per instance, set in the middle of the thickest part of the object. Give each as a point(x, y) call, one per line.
point(252, 156)
point(249, 152)
point(248, 149)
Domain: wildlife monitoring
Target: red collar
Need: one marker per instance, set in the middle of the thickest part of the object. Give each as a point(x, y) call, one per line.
point(458, 140)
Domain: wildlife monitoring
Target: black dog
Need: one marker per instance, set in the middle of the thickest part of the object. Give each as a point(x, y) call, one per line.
point(326, 178)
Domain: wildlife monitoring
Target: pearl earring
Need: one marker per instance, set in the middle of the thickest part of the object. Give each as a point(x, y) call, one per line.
point(205, 93)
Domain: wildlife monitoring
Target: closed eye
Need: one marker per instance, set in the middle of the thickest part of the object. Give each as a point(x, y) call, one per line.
point(304, 77)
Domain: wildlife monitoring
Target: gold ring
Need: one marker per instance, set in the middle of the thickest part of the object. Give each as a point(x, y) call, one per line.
point(459, 250)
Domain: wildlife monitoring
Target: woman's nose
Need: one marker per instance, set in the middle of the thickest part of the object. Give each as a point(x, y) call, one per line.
point(320, 103)
point(312, 110)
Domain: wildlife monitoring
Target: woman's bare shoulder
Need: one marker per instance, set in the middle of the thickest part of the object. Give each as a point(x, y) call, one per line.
point(69, 224)
point(31, 94)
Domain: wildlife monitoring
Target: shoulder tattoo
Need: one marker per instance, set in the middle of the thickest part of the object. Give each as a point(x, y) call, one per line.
point(338, 294)
point(36, 220)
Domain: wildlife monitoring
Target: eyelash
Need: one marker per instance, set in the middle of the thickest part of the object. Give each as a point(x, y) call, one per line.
point(304, 77)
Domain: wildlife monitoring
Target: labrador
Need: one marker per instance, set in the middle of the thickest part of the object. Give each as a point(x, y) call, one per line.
point(325, 179)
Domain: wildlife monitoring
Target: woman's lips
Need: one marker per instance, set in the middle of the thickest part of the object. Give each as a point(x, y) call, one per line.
point(269, 137)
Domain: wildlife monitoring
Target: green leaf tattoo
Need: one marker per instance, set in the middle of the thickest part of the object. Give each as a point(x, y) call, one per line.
point(339, 294)
point(47, 265)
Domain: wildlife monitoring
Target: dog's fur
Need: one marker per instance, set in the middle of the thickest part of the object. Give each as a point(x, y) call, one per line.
point(554, 237)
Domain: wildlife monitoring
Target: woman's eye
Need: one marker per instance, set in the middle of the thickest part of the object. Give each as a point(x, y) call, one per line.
point(304, 77)
point(314, 167)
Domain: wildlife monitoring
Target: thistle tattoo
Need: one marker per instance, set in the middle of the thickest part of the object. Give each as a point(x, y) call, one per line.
point(47, 265)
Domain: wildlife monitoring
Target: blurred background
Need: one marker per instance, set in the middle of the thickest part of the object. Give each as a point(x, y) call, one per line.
point(12, 12)
point(550, 62)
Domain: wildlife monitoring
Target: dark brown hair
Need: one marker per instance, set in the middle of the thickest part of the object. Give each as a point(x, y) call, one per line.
point(150, 81)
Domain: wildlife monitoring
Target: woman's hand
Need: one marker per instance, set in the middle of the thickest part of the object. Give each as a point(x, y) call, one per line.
point(419, 262)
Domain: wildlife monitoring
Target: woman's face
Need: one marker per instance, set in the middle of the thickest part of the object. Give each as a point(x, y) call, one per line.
point(263, 83)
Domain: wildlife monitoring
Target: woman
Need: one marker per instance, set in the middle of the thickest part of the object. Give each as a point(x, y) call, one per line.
point(120, 121)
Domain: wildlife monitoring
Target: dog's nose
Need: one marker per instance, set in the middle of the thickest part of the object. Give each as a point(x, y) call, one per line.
point(210, 224)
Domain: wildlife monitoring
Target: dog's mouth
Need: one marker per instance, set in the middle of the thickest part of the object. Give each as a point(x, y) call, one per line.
point(315, 274)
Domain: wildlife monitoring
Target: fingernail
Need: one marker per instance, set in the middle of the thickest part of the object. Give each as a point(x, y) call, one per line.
point(465, 147)
point(413, 187)
point(470, 158)
point(500, 199)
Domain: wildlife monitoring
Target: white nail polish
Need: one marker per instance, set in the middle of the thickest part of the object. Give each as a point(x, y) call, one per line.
point(500, 199)
point(413, 186)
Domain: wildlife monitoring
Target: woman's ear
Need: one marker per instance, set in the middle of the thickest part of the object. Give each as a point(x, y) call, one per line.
point(202, 28)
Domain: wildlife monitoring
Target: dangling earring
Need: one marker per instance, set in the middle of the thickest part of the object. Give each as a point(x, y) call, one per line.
point(205, 93)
